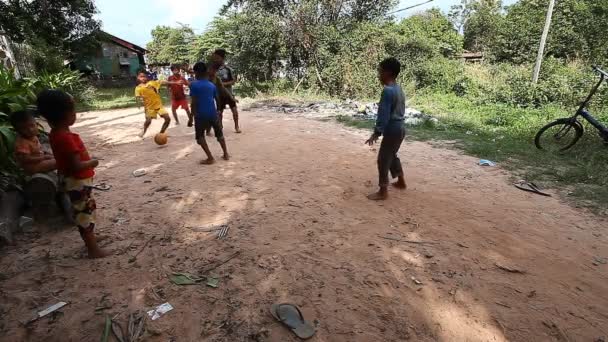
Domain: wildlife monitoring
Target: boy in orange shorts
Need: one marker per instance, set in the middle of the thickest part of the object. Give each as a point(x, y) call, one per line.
point(178, 96)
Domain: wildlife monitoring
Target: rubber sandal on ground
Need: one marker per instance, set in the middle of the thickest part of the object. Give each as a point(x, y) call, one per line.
point(291, 316)
point(531, 187)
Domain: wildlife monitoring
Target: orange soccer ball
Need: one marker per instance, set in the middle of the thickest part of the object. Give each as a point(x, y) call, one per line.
point(161, 139)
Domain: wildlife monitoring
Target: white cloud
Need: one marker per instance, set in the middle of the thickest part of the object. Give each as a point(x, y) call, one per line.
point(196, 13)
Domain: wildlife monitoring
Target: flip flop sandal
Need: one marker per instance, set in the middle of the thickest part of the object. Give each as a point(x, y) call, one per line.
point(531, 187)
point(291, 316)
point(102, 187)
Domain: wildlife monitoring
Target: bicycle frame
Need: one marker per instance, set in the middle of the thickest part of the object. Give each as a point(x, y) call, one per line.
point(582, 111)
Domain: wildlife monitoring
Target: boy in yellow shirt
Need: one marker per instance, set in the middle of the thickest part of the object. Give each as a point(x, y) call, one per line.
point(149, 92)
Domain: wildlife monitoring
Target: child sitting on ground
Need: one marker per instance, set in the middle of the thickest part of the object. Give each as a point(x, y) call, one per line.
point(389, 124)
point(204, 96)
point(73, 162)
point(28, 151)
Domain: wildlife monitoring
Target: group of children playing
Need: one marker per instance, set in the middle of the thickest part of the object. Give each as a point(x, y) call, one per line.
point(209, 97)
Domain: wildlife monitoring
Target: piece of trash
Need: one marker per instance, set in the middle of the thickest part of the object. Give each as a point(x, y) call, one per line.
point(25, 221)
point(184, 279)
point(416, 281)
point(139, 172)
point(485, 162)
point(47, 311)
point(102, 187)
point(213, 282)
point(509, 269)
point(159, 311)
point(222, 233)
point(462, 245)
point(599, 261)
point(532, 294)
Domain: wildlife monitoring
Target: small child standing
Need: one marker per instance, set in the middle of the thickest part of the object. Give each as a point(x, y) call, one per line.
point(178, 95)
point(204, 96)
point(389, 124)
point(28, 151)
point(149, 92)
point(73, 163)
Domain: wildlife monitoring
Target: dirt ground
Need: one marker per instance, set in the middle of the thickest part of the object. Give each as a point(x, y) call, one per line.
point(293, 196)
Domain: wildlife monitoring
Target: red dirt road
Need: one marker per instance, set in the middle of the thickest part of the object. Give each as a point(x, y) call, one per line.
point(293, 196)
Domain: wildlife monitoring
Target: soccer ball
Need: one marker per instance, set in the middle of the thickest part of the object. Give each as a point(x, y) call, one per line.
point(160, 139)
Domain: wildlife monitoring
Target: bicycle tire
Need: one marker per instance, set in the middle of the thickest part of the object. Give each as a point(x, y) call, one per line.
point(564, 122)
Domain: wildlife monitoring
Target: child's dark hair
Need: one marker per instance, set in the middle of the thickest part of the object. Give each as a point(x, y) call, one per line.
point(20, 117)
point(221, 53)
point(200, 68)
point(174, 67)
point(53, 105)
point(391, 65)
point(142, 71)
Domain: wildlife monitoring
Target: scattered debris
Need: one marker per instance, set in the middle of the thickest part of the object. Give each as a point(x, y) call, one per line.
point(408, 241)
point(428, 254)
point(47, 311)
point(599, 261)
point(220, 263)
point(509, 269)
point(161, 189)
point(159, 311)
point(102, 187)
point(133, 258)
point(532, 294)
point(223, 232)
point(485, 162)
point(136, 326)
point(213, 282)
point(291, 316)
point(184, 279)
point(25, 222)
point(140, 172)
point(503, 305)
point(416, 281)
point(461, 245)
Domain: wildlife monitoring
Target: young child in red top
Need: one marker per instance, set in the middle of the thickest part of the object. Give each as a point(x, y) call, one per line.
point(73, 162)
point(178, 96)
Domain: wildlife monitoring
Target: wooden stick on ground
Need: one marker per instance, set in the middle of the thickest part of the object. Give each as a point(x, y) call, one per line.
point(409, 241)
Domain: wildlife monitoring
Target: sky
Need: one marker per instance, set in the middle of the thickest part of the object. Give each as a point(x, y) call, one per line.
point(133, 20)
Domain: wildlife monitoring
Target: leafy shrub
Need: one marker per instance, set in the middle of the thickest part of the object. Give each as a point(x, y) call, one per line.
point(440, 74)
point(70, 81)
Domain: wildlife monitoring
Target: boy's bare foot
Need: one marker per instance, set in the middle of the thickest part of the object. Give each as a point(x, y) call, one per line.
point(238, 130)
point(190, 124)
point(400, 184)
point(98, 253)
point(381, 195)
point(141, 135)
point(209, 161)
point(226, 156)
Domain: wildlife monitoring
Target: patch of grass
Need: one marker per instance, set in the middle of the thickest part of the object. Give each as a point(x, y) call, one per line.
point(117, 98)
point(505, 135)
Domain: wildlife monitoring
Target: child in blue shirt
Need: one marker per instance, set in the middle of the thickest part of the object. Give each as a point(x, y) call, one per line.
point(389, 124)
point(204, 96)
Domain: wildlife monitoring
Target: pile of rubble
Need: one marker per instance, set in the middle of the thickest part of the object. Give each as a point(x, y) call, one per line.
point(324, 109)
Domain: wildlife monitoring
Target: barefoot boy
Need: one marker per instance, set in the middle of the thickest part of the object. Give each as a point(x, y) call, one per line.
point(149, 92)
point(389, 124)
point(28, 151)
point(73, 162)
point(204, 95)
point(178, 96)
point(228, 79)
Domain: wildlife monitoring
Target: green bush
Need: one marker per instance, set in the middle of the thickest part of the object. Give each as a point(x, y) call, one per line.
point(70, 81)
point(439, 74)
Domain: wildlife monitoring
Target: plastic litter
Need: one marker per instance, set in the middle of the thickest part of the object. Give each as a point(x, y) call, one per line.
point(485, 162)
point(139, 172)
point(159, 311)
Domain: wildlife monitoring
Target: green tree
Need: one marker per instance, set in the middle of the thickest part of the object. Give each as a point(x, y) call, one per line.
point(171, 45)
point(60, 24)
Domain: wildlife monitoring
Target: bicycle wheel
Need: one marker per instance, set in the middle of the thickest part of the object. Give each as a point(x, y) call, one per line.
point(559, 136)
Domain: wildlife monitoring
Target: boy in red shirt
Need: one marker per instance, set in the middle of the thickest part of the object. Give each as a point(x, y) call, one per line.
point(178, 96)
point(73, 162)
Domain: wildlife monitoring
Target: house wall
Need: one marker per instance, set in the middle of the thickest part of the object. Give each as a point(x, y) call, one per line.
point(108, 58)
